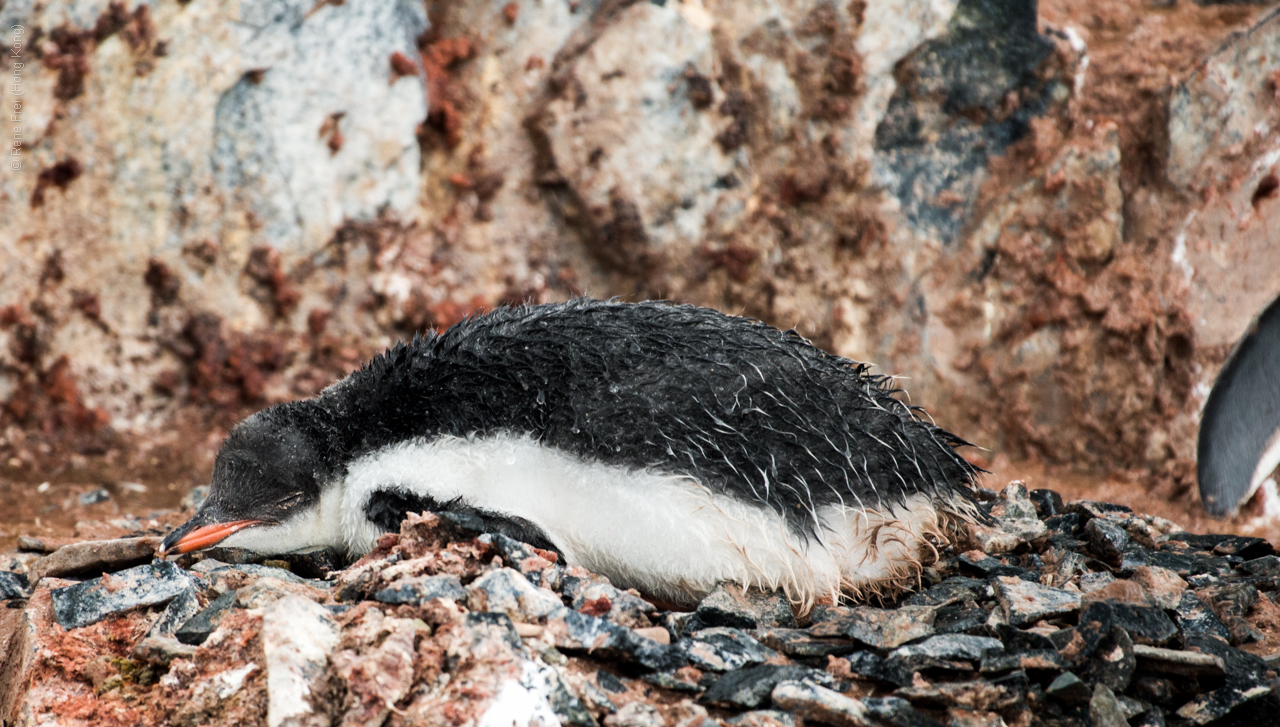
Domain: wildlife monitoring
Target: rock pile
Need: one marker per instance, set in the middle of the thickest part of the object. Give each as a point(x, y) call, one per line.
point(1053, 613)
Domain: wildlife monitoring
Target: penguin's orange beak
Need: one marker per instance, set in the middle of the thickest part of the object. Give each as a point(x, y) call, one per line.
point(202, 537)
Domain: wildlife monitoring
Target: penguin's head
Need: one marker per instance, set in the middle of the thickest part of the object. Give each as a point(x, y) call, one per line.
point(265, 489)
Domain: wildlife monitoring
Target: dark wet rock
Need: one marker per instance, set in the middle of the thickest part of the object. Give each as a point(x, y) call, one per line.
point(960, 618)
point(1195, 618)
point(952, 590)
point(731, 606)
point(1023, 602)
point(881, 628)
point(575, 632)
point(951, 646)
point(1268, 566)
point(571, 711)
point(984, 694)
point(1226, 702)
point(96, 557)
point(12, 585)
point(35, 544)
point(1224, 544)
point(418, 590)
point(178, 612)
point(946, 120)
point(313, 563)
point(1064, 524)
point(1015, 639)
point(610, 683)
point(898, 712)
point(94, 497)
point(1048, 503)
point(614, 604)
point(751, 688)
point(1069, 688)
point(198, 627)
point(672, 681)
point(1090, 509)
point(1174, 661)
point(1232, 602)
point(1153, 717)
point(230, 556)
point(1029, 659)
point(1107, 540)
point(819, 704)
point(987, 567)
point(872, 666)
point(1147, 625)
point(1105, 709)
point(723, 649)
point(799, 644)
point(1112, 663)
point(91, 601)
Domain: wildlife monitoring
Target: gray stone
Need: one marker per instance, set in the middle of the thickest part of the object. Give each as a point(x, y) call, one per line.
point(636, 714)
point(951, 646)
point(819, 704)
point(160, 650)
point(1106, 539)
point(1026, 659)
point(418, 590)
point(539, 570)
point(12, 585)
point(180, 610)
point(1163, 586)
point(504, 590)
point(986, 694)
point(625, 609)
point(1267, 565)
point(751, 688)
point(881, 628)
point(93, 497)
point(1112, 663)
point(199, 626)
point(578, 633)
point(762, 718)
point(1090, 582)
point(1105, 710)
point(798, 643)
point(952, 590)
point(1195, 618)
point(1069, 688)
point(898, 712)
point(297, 638)
point(1022, 602)
point(92, 601)
point(732, 606)
point(723, 649)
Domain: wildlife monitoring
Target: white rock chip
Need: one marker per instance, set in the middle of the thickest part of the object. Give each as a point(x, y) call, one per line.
point(297, 637)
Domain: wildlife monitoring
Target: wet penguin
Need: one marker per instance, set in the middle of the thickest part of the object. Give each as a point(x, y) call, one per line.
point(1238, 447)
point(668, 447)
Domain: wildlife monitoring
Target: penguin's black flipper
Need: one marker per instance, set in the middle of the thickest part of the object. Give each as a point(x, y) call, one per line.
point(1239, 443)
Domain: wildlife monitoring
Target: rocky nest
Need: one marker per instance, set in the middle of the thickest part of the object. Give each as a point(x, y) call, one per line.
point(1054, 614)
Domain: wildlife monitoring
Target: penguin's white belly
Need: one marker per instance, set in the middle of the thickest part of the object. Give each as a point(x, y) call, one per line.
point(665, 535)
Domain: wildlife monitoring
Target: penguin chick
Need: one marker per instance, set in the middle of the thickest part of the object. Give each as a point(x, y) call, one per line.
point(1238, 447)
point(668, 447)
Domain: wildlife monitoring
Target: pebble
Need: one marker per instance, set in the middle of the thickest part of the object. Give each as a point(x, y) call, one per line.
point(1105, 710)
point(1106, 539)
point(160, 650)
point(636, 714)
point(93, 497)
point(952, 646)
point(1195, 618)
point(1069, 688)
point(89, 602)
point(1183, 663)
point(180, 610)
point(578, 633)
point(799, 644)
point(620, 607)
point(197, 628)
point(1163, 586)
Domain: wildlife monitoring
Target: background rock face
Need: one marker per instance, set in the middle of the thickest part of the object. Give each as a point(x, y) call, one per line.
point(220, 205)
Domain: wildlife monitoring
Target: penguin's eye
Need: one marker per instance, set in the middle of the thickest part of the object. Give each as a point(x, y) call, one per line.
point(290, 501)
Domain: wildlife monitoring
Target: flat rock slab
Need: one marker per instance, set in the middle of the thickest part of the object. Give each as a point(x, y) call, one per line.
point(1024, 602)
point(92, 601)
point(820, 704)
point(418, 590)
point(751, 688)
point(198, 627)
point(724, 649)
point(881, 628)
point(96, 555)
